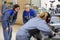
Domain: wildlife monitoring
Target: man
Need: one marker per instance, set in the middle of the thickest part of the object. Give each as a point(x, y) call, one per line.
point(39, 22)
point(4, 7)
point(8, 19)
point(28, 13)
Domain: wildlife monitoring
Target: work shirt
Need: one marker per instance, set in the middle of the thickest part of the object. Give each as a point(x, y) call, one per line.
point(28, 15)
point(34, 23)
point(9, 18)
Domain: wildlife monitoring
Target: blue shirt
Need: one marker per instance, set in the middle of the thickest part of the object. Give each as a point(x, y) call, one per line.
point(9, 18)
point(34, 23)
point(28, 15)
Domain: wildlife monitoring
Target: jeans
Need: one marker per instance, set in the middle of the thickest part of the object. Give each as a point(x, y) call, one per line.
point(8, 34)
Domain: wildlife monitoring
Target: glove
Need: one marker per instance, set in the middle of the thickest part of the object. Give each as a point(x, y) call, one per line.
point(52, 35)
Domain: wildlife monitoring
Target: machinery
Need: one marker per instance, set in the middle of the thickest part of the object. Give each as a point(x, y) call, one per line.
point(57, 9)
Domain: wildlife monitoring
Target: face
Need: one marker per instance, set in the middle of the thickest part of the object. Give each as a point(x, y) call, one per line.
point(48, 19)
point(27, 8)
point(17, 9)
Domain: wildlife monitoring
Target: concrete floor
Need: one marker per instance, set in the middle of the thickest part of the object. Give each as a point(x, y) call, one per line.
point(15, 29)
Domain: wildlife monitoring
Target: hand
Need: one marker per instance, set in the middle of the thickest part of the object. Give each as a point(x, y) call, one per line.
point(54, 34)
point(6, 29)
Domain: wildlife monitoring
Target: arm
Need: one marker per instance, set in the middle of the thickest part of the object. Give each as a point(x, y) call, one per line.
point(14, 19)
point(43, 26)
point(24, 19)
point(34, 13)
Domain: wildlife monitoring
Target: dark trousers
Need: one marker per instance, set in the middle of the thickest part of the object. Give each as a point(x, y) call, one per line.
point(35, 33)
point(7, 34)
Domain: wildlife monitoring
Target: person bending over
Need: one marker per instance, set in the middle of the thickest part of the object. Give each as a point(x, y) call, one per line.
point(39, 23)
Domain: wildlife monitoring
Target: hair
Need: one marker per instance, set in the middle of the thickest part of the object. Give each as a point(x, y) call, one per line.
point(15, 6)
point(27, 5)
point(5, 2)
point(44, 15)
point(49, 15)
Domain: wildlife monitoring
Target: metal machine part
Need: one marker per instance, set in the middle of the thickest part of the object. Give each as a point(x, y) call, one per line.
point(57, 9)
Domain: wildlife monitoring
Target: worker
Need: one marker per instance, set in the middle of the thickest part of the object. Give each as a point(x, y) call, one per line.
point(39, 22)
point(4, 7)
point(28, 13)
point(9, 19)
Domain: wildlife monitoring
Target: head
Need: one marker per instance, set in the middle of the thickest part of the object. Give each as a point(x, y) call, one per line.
point(5, 2)
point(16, 7)
point(46, 16)
point(27, 7)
